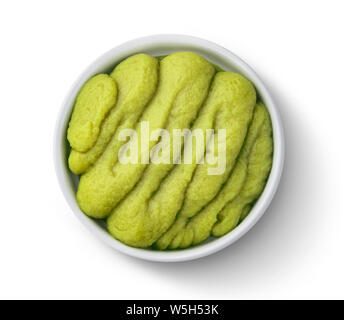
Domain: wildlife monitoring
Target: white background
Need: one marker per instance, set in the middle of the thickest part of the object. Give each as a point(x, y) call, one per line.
point(297, 248)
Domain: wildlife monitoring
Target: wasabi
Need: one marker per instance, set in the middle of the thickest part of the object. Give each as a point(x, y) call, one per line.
point(153, 189)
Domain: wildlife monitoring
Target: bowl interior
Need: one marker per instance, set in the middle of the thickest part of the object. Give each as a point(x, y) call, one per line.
point(159, 46)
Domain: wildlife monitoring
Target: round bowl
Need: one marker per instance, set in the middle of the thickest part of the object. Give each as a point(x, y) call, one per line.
point(159, 45)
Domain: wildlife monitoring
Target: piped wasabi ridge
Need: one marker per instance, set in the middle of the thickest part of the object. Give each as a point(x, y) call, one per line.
point(96, 98)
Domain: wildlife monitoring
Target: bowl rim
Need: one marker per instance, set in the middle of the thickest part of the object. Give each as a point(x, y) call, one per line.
point(202, 250)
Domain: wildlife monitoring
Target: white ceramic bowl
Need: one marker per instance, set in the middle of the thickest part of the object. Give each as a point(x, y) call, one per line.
point(159, 45)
